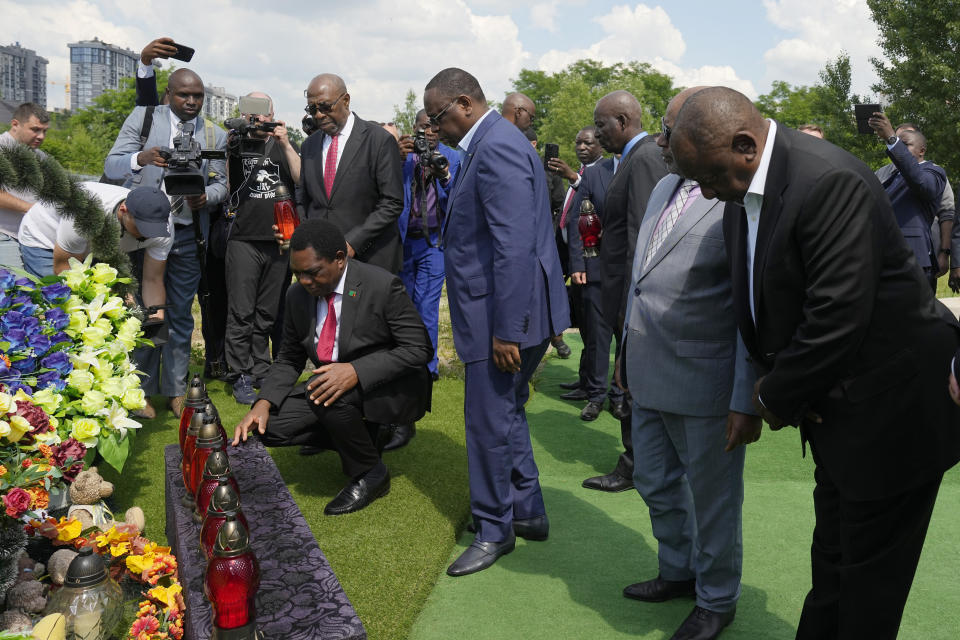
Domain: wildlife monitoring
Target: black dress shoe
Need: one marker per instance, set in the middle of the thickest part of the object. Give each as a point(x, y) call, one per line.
point(570, 386)
point(536, 528)
point(310, 450)
point(660, 590)
point(563, 349)
point(576, 394)
point(402, 435)
point(479, 556)
point(357, 495)
point(611, 482)
point(619, 410)
point(591, 411)
point(703, 624)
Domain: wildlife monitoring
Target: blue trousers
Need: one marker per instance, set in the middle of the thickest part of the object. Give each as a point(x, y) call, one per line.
point(694, 492)
point(37, 260)
point(165, 368)
point(10, 252)
point(422, 275)
point(504, 480)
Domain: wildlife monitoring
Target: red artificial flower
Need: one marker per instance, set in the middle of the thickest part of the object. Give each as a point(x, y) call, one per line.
point(17, 501)
point(148, 624)
point(33, 414)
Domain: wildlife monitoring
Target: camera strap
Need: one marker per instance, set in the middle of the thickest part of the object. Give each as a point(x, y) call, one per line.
point(203, 290)
point(423, 178)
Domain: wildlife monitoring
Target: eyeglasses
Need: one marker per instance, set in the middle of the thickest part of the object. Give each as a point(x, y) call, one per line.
point(666, 130)
point(532, 115)
point(435, 120)
point(313, 107)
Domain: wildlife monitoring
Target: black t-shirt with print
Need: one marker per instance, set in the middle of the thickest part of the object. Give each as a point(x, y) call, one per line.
point(253, 186)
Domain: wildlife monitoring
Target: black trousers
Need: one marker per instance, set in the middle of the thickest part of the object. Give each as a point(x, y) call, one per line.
point(863, 557)
point(597, 333)
point(255, 278)
point(339, 427)
point(213, 313)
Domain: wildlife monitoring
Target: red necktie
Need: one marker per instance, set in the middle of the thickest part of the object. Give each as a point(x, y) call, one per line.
point(566, 207)
point(330, 166)
point(328, 333)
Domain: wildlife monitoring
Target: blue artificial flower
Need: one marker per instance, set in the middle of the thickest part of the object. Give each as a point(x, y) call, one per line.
point(7, 279)
point(56, 318)
point(12, 388)
point(31, 325)
point(59, 337)
point(57, 292)
point(16, 337)
point(5, 300)
point(26, 365)
point(40, 343)
point(51, 378)
point(59, 361)
point(25, 282)
point(27, 307)
point(12, 320)
point(4, 369)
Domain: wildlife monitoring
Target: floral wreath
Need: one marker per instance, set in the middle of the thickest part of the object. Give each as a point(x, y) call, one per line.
point(21, 169)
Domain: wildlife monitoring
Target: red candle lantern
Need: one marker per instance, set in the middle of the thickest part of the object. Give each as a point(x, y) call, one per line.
point(224, 502)
point(189, 444)
point(196, 399)
point(208, 441)
point(217, 468)
point(231, 583)
point(590, 229)
point(284, 213)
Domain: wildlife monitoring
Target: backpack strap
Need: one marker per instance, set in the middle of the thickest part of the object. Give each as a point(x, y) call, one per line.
point(146, 126)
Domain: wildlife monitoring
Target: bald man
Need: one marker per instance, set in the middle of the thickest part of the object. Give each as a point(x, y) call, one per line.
point(352, 175)
point(617, 117)
point(519, 109)
point(136, 158)
point(848, 343)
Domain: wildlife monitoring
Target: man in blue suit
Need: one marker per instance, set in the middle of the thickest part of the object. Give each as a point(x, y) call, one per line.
point(506, 294)
point(139, 162)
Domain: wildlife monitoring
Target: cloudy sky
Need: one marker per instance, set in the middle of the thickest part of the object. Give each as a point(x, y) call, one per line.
point(384, 47)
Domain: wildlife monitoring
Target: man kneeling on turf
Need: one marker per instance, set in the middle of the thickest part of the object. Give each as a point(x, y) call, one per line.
point(369, 350)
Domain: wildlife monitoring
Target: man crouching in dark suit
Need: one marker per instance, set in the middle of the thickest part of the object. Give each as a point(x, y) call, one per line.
point(369, 350)
point(848, 343)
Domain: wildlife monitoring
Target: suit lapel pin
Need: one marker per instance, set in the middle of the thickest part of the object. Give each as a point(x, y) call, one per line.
point(352, 293)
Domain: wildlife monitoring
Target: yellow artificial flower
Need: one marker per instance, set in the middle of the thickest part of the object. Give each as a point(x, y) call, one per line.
point(138, 564)
point(6, 402)
point(103, 273)
point(18, 427)
point(67, 530)
point(81, 380)
point(73, 303)
point(113, 387)
point(74, 278)
point(47, 399)
point(4, 428)
point(134, 399)
point(167, 595)
point(22, 395)
point(49, 438)
point(3, 470)
point(117, 550)
point(94, 336)
point(85, 430)
point(92, 402)
point(78, 322)
point(115, 307)
point(116, 348)
point(153, 547)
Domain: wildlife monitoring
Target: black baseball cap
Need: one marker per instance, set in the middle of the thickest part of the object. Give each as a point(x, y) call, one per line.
point(150, 209)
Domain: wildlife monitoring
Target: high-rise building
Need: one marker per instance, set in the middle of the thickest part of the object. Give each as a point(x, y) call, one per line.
point(96, 67)
point(218, 105)
point(23, 75)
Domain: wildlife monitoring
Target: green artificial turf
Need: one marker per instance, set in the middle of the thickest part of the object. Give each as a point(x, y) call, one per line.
point(387, 556)
point(569, 587)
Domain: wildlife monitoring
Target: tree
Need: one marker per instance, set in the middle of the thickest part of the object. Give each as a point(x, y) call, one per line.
point(565, 100)
point(405, 118)
point(921, 77)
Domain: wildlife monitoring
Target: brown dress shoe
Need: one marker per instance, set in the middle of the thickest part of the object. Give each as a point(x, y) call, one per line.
point(176, 405)
point(147, 413)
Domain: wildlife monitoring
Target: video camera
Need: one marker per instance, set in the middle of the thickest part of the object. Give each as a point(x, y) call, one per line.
point(429, 158)
point(242, 142)
point(183, 176)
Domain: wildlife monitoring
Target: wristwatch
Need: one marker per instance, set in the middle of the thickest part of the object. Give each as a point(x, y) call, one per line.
point(892, 140)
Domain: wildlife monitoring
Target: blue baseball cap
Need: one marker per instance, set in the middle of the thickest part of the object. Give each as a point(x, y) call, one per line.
point(150, 208)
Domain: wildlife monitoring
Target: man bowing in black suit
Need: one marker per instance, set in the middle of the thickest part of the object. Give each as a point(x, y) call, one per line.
point(848, 342)
point(369, 350)
point(352, 175)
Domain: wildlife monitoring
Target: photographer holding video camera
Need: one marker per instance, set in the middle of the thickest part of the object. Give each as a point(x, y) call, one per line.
point(260, 159)
point(169, 147)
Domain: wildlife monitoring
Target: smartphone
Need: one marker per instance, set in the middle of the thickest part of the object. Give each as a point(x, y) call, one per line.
point(551, 150)
point(183, 53)
point(863, 112)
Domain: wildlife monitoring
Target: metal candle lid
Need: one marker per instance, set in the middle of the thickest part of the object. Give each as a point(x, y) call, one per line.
point(86, 570)
point(224, 500)
point(232, 539)
point(196, 393)
point(208, 437)
point(586, 206)
point(281, 192)
point(217, 465)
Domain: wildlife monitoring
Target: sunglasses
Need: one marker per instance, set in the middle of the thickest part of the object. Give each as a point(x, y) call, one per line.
point(435, 120)
point(313, 107)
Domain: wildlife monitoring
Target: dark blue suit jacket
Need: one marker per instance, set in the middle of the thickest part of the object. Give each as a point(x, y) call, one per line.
point(593, 187)
point(500, 256)
point(915, 191)
point(408, 166)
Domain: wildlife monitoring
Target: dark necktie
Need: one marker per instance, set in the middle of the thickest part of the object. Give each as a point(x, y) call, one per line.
point(328, 333)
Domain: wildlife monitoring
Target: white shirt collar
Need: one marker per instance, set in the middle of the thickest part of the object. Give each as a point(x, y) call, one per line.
point(175, 121)
point(347, 127)
point(464, 143)
point(760, 177)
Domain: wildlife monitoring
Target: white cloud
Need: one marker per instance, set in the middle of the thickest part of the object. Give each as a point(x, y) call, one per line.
point(822, 28)
point(543, 15)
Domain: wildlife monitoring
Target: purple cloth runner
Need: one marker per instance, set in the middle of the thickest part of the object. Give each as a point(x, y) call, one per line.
point(300, 598)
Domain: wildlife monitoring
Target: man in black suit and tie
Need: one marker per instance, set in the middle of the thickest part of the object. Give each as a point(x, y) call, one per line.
point(352, 175)
point(848, 343)
point(369, 350)
point(617, 117)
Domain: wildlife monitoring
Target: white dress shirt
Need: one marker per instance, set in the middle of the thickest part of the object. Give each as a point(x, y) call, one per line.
point(322, 315)
point(753, 203)
point(464, 143)
point(344, 136)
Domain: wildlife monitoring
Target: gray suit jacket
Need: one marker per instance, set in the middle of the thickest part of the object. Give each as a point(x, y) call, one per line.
point(117, 164)
point(683, 353)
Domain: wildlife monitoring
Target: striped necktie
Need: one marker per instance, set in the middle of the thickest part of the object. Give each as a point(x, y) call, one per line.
point(669, 220)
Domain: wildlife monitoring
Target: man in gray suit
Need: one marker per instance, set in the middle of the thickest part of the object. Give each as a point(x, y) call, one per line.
point(137, 159)
point(691, 384)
